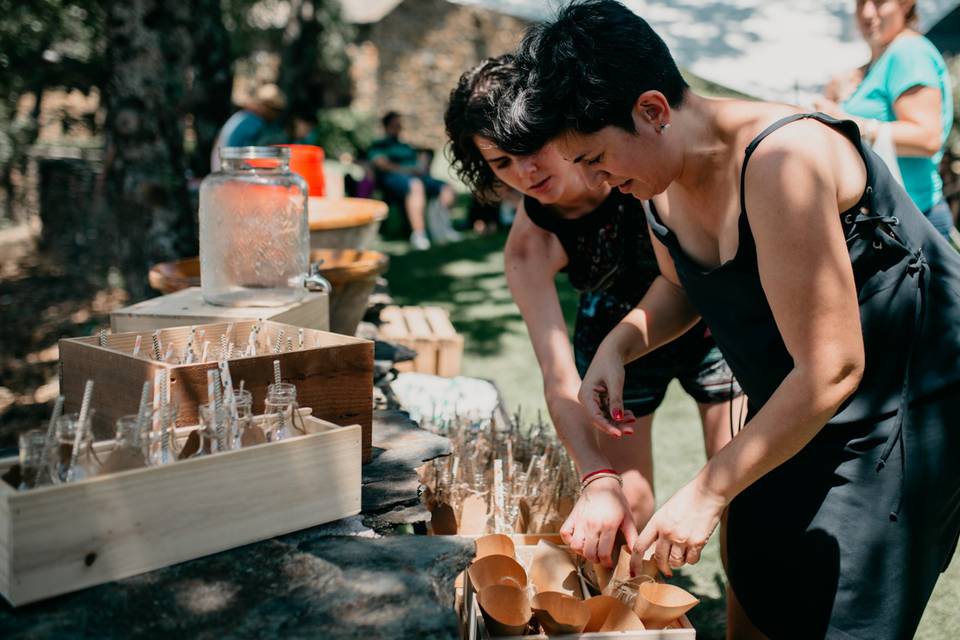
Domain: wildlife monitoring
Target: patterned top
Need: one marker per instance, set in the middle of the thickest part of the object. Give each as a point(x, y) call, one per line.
point(611, 263)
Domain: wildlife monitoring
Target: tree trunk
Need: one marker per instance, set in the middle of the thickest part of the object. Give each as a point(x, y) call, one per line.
point(212, 83)
point(148, 56)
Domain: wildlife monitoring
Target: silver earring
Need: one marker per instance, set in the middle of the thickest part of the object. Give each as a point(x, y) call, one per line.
point(664, 126)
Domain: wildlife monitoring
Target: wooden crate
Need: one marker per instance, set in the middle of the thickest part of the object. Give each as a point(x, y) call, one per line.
point(187, 307)
point(61, 538)
point(473, 627)
point(334, 379)
point(427, 330)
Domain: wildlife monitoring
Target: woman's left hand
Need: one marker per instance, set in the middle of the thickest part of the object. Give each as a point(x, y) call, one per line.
point(679, 529)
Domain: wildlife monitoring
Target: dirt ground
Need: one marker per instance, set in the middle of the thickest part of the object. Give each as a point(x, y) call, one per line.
point(42, 298)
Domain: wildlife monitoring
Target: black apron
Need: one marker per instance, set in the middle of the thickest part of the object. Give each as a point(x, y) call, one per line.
point(848, 537)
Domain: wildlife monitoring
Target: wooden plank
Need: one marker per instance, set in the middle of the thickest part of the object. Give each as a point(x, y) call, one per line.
point(187, 307)
point(135, 521)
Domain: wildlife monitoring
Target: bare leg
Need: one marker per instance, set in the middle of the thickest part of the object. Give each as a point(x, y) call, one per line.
point(716, 422)
point(447, 196)
point(632, 457)
point(415, 203)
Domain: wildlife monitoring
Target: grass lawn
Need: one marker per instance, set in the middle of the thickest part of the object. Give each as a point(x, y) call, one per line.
point(467, 279)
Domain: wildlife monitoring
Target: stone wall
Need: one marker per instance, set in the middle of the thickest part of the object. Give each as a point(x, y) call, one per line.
point(411, 59)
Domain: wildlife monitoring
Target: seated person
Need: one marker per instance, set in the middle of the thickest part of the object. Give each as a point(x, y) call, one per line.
point(248, 126)
point(401, 176)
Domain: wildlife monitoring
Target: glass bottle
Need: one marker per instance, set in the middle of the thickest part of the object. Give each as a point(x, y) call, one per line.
point(66, 433)
point(254, 235)
point(245, 432)
point(280, 410)
point(130, 445)
point(34, 460)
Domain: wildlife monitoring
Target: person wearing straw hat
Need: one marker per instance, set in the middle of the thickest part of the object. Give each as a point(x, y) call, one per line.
point(245, 127)
point(833, 298)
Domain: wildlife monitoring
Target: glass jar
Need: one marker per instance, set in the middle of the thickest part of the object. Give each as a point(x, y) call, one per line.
point(130, 445)
point(254, 236)
point(244, 433)
point(66, 433)
point(34, 459)
point(280, 410)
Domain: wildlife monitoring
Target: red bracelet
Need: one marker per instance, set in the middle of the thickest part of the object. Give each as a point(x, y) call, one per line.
point(598, 471)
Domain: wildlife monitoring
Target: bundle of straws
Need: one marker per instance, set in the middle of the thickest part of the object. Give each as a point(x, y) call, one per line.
point(510, 478)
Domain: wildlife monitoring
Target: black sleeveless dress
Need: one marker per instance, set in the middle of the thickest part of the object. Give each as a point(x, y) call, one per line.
point(847, 538)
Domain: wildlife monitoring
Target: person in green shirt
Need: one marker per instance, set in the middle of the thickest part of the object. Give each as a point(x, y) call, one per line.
point(400, 174)
point(905, 84)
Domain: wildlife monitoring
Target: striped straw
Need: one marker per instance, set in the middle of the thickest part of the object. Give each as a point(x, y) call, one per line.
point(102, 339)
point(206, 351)
point(289, 343)
point(223, 346)
point(81, 429)
point(144, 409)
point(136, 346)
point(57, 412)
point(276, 372)
point(279, 345)
point(157, 345)
point(299, 339)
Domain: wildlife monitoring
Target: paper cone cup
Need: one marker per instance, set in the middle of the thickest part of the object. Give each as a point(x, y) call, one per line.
point(496, 570)
point(473, 516)
point(659, 604)
point(506, 610)
point(552, 569)
point(443, 521)
point(609, 614)
point(495, 544)
point(559, 614)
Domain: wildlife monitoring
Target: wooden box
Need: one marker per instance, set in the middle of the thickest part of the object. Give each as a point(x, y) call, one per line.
point(187, 307)
point(427, 330)
point(473, 627)
point(334, 379)
point(61, 538)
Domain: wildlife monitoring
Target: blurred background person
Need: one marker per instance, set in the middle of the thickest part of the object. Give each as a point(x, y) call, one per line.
point(251, 124)
point(902, 92)
point(402, 175)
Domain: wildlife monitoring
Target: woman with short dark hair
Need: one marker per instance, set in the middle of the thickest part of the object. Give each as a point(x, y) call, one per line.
point(598, 237)
point(834, 300)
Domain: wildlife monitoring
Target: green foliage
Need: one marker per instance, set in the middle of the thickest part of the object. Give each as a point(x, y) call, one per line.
point(343, 130)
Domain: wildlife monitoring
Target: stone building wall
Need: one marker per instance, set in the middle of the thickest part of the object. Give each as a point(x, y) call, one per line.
point(410, 60)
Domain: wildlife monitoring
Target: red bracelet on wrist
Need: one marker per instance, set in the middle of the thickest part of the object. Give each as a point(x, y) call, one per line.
point(597, 472)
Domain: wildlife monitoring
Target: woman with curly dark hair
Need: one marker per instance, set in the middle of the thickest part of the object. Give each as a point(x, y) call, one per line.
point(599, 238)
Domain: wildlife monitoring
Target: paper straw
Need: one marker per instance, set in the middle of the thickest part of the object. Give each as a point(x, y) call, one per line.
point(157, 353)
point(206, 351)
point(279, 345)
point(57, 412)
point(169, 354)
point(229, 351)
point(299, 339)
point(223, 346)
point(289, 344)
point(102, 339)
point(165, 417)
point(136, 346)
point(276, 372)
point(215, 394)
point(81, 429)
point(144, 409)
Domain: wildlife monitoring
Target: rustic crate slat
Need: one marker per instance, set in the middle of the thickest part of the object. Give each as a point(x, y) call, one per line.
point(66, 537)
point(187, 307)
point(428, 331)
point(335, 379)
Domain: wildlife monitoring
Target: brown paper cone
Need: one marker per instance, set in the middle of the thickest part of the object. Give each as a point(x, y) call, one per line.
point(495, 544)
point(559, 614)
point(473, 516)
point(443, 521)
point(659, 604)
point(506, 610)
point(493, 570)
point(609, 614)
point(552, 569)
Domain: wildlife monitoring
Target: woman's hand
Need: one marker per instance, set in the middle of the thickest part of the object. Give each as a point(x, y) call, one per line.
point(600, 513)
point(678, 531)
point(601, 393)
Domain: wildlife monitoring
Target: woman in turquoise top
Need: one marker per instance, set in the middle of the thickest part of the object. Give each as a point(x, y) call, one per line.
point(906, 84)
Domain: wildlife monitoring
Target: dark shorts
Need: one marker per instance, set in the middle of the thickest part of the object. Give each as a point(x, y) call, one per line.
point(708, 381)
point(693, 359)
point(398, 184)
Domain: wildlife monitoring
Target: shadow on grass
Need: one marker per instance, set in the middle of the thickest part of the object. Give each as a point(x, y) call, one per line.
point(709, 617)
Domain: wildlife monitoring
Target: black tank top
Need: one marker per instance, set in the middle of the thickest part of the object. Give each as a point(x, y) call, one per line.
point(908, 287)
point(611, 263)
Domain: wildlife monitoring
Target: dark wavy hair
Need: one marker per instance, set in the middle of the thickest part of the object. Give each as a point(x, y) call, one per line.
point(473, 110)
point(583, 71)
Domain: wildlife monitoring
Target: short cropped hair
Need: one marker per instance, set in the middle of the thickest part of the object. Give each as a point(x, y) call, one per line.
point(389, 117)
point(583, 71)
point(473, 110)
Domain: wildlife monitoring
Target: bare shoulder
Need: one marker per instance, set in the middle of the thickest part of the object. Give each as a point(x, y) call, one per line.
point(529, 244)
